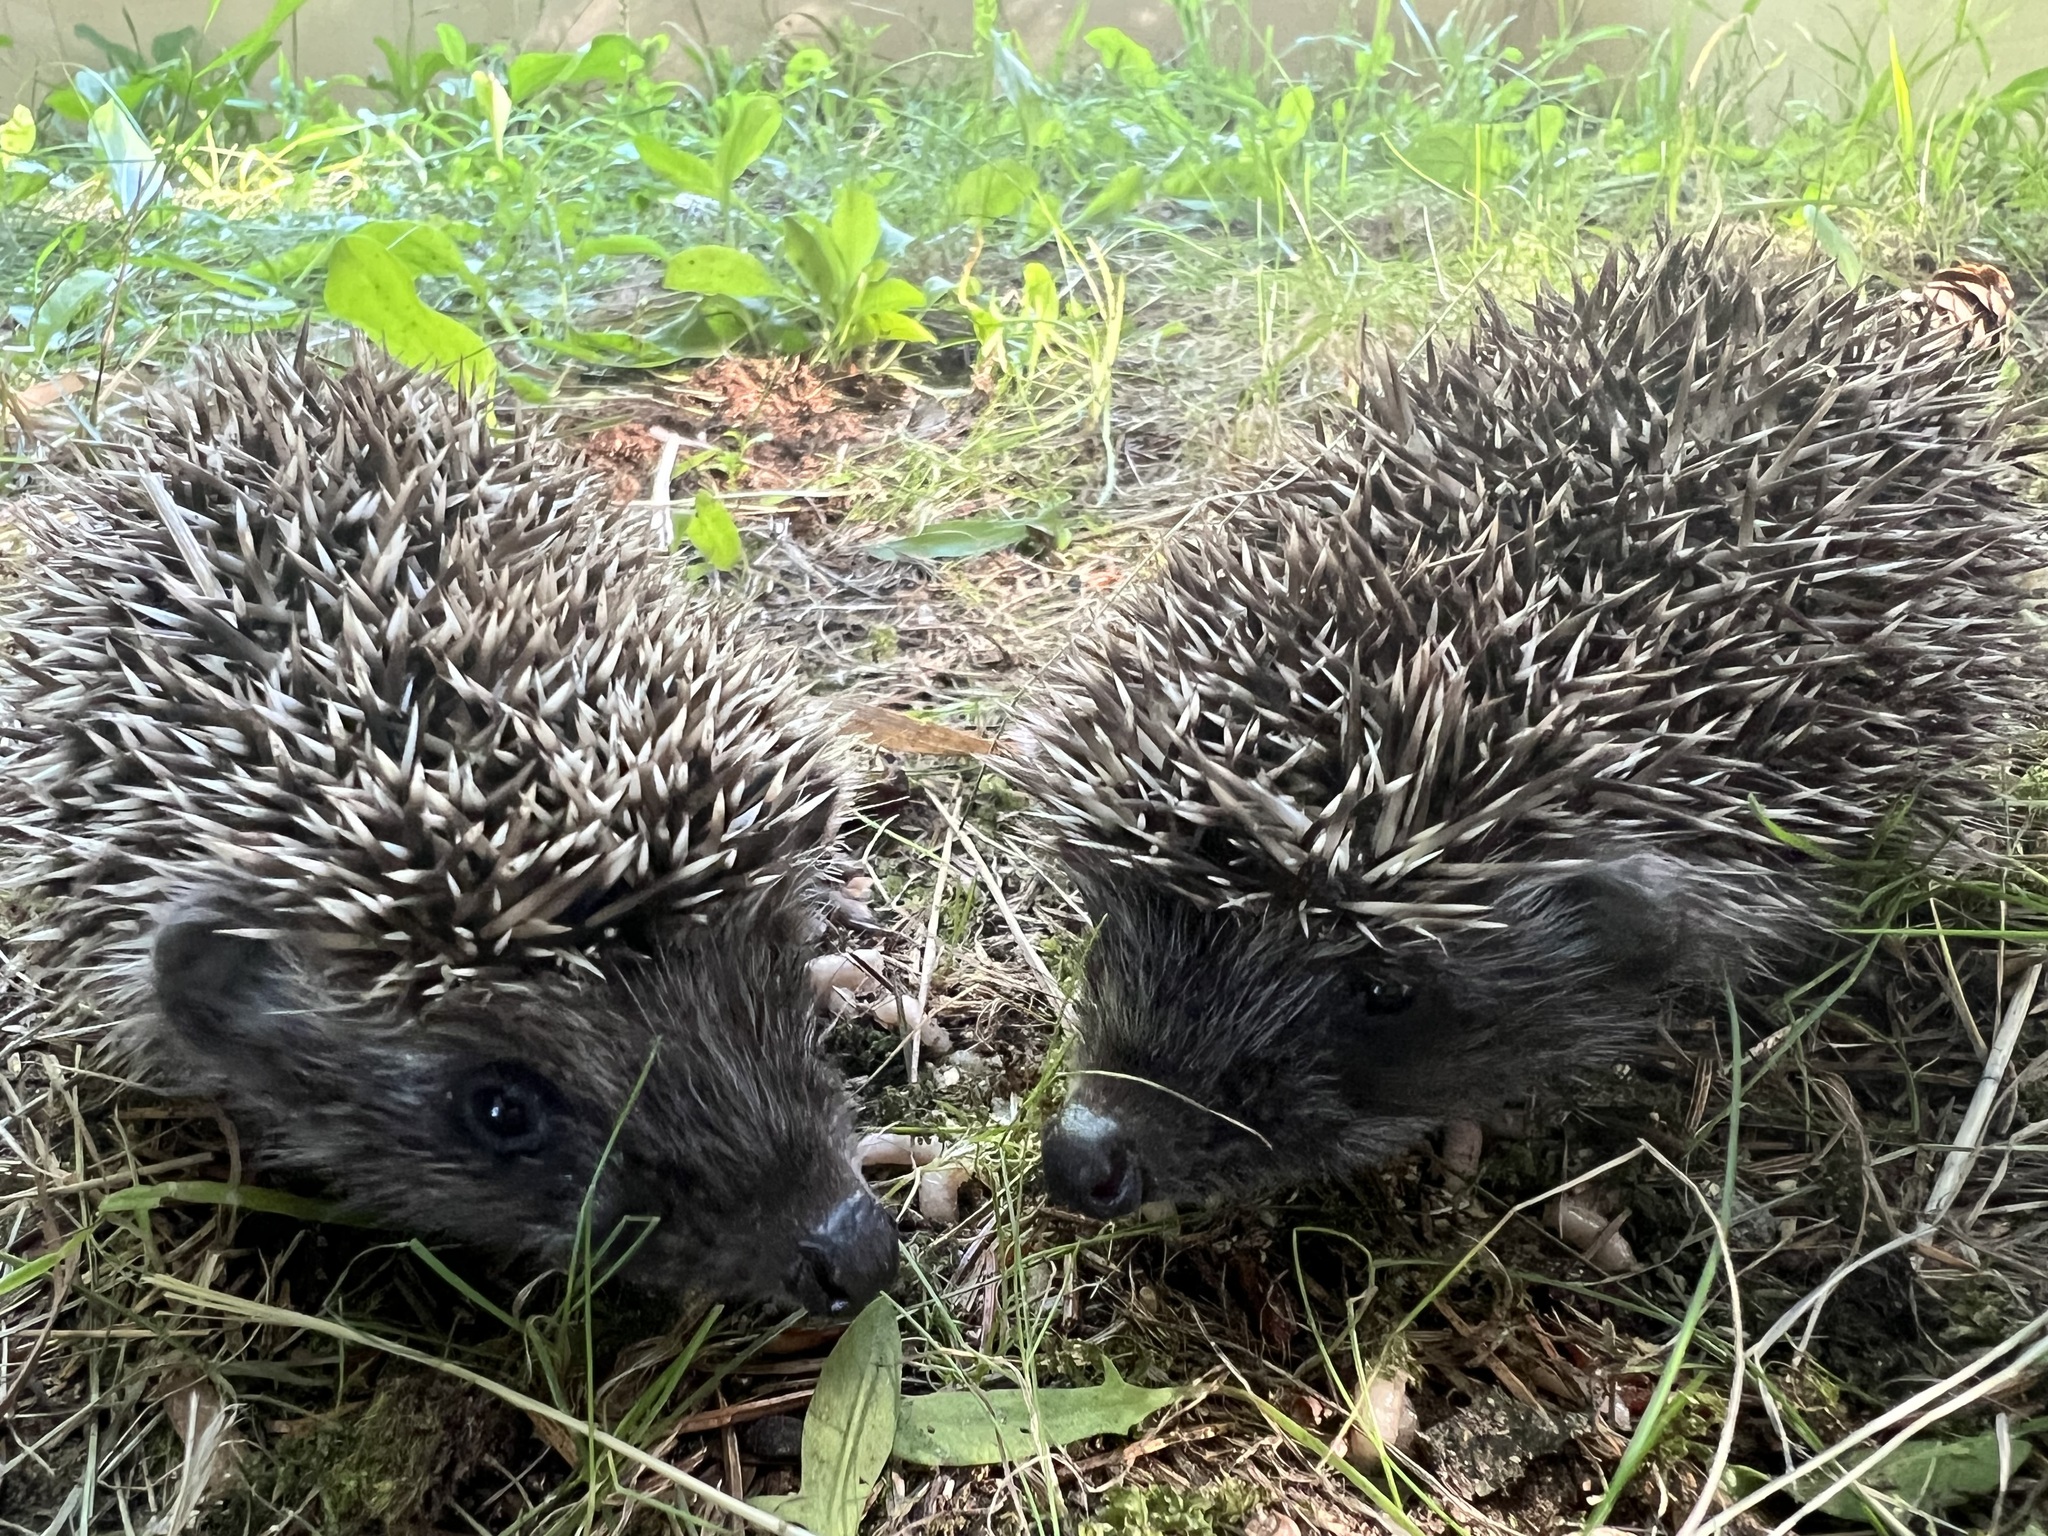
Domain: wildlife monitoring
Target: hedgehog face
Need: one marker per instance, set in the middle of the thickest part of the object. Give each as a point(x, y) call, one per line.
point(1224, 1055)
point(678, 1102)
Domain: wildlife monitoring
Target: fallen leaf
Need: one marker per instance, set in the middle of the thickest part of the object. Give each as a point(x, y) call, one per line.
point(848, 1429)
point(985, 1429)
point(897, 732)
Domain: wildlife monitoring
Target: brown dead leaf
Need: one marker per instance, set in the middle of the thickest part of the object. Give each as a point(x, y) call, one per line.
point(894, 731)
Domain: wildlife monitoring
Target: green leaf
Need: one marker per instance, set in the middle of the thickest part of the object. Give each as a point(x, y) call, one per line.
point(690, 172)
point(850, 1426)
point(373, 290)
point(963, 537)
point(610, 58)
point(1041, 293)
point(1123, 56)
point(986, 1429)
point(1934, 1476)
point(618, 245)
point(753, 118)
point(133, 172)
point(427, 250)
point(66, 303)
point(1545, 126)
point(28, 1271)
point(893, 325)
point(495, 105)
point(1117, 197)
point(1443, 154)
point(531, 73)
point(994, 191)
point(719, 269)
point(716, 536)
point(273, 1202)
point(1827, 234)
point(454, 46)
point(808, 247)
point(1292, 117)
point(892, 294)
point(2022, 91)
point(804, 66)
point(17, 134)
point(856, 227)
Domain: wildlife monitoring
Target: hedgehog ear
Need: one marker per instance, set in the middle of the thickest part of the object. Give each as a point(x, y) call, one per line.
point(213, 983)
point(1625, 918)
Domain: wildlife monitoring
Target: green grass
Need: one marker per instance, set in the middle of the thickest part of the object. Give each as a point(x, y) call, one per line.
point(1116, 275)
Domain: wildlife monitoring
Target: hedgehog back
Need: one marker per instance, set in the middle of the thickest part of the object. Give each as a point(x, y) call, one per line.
point(323, 639)
point(1698, 537)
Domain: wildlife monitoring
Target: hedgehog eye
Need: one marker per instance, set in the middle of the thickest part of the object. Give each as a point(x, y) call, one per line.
point(507, 1109)
point(1383, 995)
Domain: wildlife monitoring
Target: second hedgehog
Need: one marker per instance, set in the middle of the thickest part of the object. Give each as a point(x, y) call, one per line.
point(365, 774)
point(1434, 770)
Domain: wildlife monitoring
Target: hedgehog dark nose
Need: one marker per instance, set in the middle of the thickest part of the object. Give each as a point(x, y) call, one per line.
point(1091, 1166)
point(848, 1259)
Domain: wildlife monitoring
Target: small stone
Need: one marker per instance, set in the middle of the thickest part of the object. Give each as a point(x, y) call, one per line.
point(779, 1437)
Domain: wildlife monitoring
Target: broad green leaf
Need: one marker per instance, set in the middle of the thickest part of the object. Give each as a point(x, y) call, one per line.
point(1934, 1476)
point(17, 134)
point(273, 1202)
point(893, 325)
point(373, 290)
point(683, 168)
point(133, 173)
point(2022, 91)
point(804, 66)
point(808, 247)
point(77, 296)
point(1841, 250)
point(1123, 56)
point(1041, 293)
point(716, 536)
point(856, 227)
point(752, 120)
point(1546, 126)
point(1443, 154)
point(994, 191)
point(495, 105)
point(719, 269)
point(961, 538)
point(1293, 117)
point(1117, 197)
point(986, 1429)
point(690, 172)
point(531, 73)
point(618, 245)
point(454, 46)
point(891, 294)
point(849, 1427)
point(611, 58)
point(427, 250)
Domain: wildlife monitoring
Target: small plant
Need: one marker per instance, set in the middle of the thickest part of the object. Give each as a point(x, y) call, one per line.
point(834, 292)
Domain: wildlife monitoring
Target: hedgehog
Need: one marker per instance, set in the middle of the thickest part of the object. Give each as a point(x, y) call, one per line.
point(1572, 671)
point(368, 775)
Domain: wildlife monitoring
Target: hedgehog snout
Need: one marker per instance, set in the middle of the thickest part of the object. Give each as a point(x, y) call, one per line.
point(1091, 1164)
point(847, 1260)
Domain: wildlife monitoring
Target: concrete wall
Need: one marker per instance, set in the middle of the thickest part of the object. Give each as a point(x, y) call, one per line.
point(330, 37)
